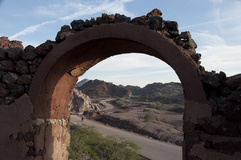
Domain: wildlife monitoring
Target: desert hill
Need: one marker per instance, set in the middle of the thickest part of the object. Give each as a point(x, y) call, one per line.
point(98, 88)
point(163, 93)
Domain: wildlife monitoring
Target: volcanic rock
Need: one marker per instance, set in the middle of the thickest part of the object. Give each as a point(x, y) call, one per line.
point(6, 65)
point(154, 12)
point(9, 78)
point(29, 53)
point(22, 67)
point(15, 53)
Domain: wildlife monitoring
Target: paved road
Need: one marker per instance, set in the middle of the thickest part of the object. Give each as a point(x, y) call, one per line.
point(106, 104)
point(152, 149)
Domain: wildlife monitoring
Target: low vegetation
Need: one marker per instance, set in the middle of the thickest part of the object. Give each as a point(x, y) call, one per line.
point(87, 143)
point(150, 116)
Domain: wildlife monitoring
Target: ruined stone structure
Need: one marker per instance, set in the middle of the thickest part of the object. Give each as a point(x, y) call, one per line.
point(36, 84)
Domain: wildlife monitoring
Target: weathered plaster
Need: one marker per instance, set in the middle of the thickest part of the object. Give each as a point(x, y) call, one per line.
point(200, 151)
point(15, 119)
point(195, 111)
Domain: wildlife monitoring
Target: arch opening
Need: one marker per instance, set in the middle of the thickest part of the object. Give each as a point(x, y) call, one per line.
point(56, 76)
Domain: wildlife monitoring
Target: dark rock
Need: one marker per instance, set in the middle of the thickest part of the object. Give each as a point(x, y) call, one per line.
point(173, 34)
point(26, 87)
point(29, 53)
point(196, 57)
point(9, 78)
point(77, 25)
point(211, 80)
point(88, 24)
point(8, 100)
point(154, 12)
point(156, 23)
point(45, 48)
point(225, 91)
point(190, 45)
point(1, 74)
point(227, 147)
point(122, 18)
point(16, 89)
point(22, 67)
point(235, 96)
point(3, 91)
point(165, 33)
point(222, 76)
point(6, 65)
point(64, 33)
point(65, 28)
point(185, 36)
point(3, 54)
point(234, 82)
point(20, 136)
point(24, 79)
point(239, 127)
point(227, 128)
point(233, 112)
point(141, 21)
point(33, 68)
point(171, 25)
point(29, 136)
point(62, 36)
point(15, 53)
point(105, 18)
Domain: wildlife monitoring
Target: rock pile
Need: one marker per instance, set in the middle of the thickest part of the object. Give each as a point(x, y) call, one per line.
point(17, 67)
point(152, 21)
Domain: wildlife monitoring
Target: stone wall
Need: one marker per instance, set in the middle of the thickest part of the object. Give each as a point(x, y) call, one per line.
point(214, 133)
point(217, 136)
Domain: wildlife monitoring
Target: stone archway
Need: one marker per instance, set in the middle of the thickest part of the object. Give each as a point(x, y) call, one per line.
point(55, 78)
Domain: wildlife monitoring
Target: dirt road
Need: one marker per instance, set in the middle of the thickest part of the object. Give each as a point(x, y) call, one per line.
point(152, 149)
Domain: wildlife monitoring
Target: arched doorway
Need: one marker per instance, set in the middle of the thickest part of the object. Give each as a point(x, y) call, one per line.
point(56, 76)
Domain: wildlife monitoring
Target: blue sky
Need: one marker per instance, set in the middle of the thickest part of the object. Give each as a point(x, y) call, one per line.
point(214, 24)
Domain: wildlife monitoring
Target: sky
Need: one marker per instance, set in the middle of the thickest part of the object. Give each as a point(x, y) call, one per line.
point(215, 25)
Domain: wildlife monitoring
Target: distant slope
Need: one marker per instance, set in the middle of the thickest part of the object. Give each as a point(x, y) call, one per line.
point(81, 83)
point(165, 93)
point(155, 92)
point(98, 88)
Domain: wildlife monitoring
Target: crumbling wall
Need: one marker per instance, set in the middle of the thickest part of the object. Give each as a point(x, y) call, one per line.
point(211, 131)
point(217, 136)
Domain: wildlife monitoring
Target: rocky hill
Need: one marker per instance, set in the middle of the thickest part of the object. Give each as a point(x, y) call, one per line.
point(81, 83)
point(98, 88)
point(80, 102)
point(163, 93)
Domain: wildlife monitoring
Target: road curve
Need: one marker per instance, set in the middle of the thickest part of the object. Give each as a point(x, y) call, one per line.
point(107, 105)
point(152, 149)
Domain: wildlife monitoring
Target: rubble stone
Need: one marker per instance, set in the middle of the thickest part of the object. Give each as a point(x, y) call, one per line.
point(29, 53)
point(9, 78)
point(3, 54)
point(22, 67)
point(15, 53)
point(7, 65)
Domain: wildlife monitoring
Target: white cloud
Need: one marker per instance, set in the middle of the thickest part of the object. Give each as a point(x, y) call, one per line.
point(128, 62)
point(217, 55)
point(205, 38)
point(67, 10)
point(30, 29)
